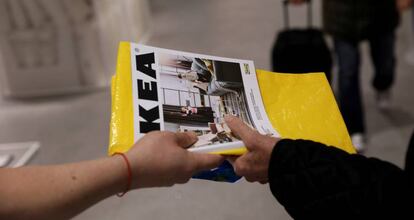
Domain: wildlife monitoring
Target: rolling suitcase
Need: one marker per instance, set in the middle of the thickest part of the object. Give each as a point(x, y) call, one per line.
point(301, 50)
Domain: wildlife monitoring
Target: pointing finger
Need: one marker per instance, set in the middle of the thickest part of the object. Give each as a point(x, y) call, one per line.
point(240, 129)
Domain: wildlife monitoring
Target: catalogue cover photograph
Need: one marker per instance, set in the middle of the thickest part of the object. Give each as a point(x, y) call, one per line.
point(179, 91)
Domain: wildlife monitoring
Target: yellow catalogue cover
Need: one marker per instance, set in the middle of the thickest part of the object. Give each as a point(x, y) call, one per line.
point(161, 89)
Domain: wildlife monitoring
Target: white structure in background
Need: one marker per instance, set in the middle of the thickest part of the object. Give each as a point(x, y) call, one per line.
point(57, 46)
point(17, 154)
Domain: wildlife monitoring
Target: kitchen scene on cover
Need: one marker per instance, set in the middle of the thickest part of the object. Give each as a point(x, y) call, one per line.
point(196, 91)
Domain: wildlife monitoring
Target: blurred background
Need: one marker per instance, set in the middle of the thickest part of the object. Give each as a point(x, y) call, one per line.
point(57, 58)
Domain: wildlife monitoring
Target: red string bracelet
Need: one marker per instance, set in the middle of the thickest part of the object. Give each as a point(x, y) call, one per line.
point(129, 174)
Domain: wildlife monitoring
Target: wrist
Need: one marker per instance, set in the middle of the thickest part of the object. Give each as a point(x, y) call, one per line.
point(271, 144)
point(121, 173)
point(129, 175)
point(139, 173)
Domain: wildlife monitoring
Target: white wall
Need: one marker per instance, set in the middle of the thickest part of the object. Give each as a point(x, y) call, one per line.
point(65, 45)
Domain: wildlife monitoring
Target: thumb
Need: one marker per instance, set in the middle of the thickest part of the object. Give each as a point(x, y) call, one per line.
point(185, 139)
point(205, 161)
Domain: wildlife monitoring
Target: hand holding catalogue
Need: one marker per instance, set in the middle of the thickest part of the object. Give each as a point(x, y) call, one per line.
point(161, 159)
point(254, 164)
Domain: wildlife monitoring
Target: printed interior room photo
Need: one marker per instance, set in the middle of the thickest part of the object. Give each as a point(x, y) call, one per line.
point(197, 93)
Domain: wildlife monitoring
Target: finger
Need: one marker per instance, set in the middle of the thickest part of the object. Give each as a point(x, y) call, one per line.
point(253, 177)
point(231, 159)
point(185, 139)
point(263, 181)
point(245, 166)
point(240, 166)
point(205, 161)
point(250, 179)
point(239, 128)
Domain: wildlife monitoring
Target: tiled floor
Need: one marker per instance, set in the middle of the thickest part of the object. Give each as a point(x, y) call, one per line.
point(74, 128)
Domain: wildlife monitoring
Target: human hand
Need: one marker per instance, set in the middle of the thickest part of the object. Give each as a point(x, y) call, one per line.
point(254, 164)
point(403, 5)
point(161, 159)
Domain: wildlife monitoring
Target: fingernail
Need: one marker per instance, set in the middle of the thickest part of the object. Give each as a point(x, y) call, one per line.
point(192, 133)
point(194, 136)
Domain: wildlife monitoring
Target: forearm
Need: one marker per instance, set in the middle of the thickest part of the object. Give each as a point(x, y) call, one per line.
point(59, 192)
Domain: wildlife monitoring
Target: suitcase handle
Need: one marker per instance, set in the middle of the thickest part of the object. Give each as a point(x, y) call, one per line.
point(286, 13)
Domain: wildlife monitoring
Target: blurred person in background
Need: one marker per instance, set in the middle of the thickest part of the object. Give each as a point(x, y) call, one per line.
point(350, 22)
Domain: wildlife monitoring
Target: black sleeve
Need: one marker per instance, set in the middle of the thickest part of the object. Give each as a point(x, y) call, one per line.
point(313, 181)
